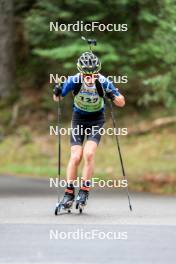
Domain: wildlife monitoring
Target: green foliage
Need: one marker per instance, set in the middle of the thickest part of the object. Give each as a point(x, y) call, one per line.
point(146, 52)
point(163, 47)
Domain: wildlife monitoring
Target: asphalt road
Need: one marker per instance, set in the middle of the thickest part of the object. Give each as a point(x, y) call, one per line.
point(107, 232)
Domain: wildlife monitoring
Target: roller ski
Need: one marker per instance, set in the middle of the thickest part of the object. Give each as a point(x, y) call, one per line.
point(81, 200)
point(66, 204)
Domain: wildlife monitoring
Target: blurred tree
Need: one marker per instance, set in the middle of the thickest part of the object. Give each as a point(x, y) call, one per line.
point(160, 86)
point(139, 52)
point(6, 47)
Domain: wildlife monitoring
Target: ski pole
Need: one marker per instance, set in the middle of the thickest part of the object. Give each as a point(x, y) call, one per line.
point(59, 140)
point(59, 152)
point(120, 154)
point(57, 91)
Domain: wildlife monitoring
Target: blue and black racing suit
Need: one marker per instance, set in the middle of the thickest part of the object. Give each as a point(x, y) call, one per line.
point(88, 108)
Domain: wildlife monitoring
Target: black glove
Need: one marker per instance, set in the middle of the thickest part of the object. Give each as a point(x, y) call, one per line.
point(57, 90)
point(110, 95)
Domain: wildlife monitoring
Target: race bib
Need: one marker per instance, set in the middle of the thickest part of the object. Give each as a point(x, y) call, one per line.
point(88, 99)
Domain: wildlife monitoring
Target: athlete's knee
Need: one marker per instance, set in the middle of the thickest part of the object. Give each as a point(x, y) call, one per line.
point(88, 155)
point(76, 158)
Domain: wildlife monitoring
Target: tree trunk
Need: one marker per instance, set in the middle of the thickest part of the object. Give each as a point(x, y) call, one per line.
point(6, 47)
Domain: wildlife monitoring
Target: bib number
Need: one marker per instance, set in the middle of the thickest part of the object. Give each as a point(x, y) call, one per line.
point(89, 99)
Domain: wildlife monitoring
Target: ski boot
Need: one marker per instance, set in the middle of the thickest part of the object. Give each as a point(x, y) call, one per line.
point(67, 201)
point(81, 199)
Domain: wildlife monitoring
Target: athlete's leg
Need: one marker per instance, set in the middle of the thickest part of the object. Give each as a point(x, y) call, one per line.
point(89, 151)
point(88, 154)
point(75, 159)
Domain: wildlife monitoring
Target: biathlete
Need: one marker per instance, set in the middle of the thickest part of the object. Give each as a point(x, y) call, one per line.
point(89, 88)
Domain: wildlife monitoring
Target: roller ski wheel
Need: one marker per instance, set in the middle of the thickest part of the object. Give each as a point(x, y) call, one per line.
point(81, 200)
point(80, 207)
point(60, 208)
point(57, 209)
point(65, 205)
